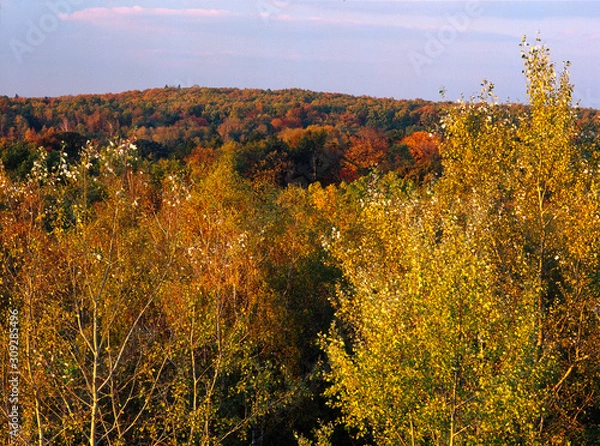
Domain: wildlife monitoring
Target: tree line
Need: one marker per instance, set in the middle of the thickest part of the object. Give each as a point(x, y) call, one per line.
point(288, 136)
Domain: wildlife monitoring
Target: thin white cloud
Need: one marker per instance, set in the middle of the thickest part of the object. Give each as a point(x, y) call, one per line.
point(105, 14)
point(422, 23)
point(556, 28)
point(581, 27)
point(187, 53)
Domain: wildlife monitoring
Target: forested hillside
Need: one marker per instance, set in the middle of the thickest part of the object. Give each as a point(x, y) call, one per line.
point(219, 266)
point(287, 137)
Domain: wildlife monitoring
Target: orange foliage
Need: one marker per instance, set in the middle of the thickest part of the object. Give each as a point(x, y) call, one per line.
point(368, 150)
point(285, 122)
point(292, 136)
point(423, 146)
point(200, 160)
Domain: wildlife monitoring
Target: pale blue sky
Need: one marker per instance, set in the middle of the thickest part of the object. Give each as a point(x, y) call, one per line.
point(401, 49)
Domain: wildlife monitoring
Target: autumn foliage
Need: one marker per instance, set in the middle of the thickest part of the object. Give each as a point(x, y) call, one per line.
point(220, 266)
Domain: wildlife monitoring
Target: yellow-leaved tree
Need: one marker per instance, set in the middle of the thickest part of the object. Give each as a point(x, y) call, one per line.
point(467, 314)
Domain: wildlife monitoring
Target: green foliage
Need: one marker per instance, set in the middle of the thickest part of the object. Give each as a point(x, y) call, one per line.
point(17, 159)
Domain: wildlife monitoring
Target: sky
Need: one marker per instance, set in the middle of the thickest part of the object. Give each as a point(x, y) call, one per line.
point(400, 49)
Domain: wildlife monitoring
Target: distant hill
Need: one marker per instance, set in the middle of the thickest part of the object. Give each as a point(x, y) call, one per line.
point(284, 136)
